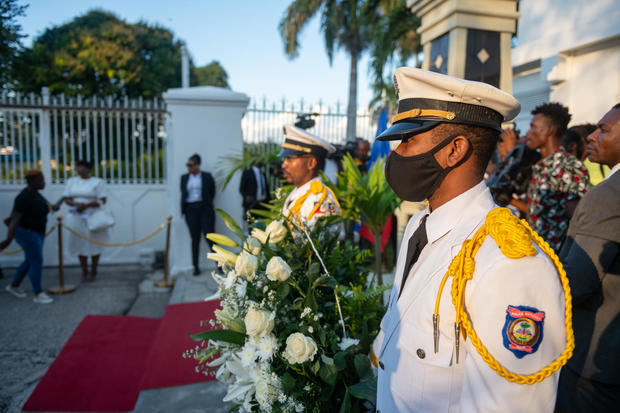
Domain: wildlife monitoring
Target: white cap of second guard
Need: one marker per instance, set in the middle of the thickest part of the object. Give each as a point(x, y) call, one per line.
point(426, 99)
point(298, 141)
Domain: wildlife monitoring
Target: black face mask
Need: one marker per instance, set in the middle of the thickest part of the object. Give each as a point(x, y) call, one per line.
point(415, 178)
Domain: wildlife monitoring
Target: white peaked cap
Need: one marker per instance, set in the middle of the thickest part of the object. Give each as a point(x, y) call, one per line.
point(298, 141)
point(426, 99)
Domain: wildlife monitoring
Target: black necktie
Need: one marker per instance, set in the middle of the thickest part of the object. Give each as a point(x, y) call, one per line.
point(417, 242)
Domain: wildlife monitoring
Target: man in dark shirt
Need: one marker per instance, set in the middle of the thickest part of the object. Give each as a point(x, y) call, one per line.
point(27, 225)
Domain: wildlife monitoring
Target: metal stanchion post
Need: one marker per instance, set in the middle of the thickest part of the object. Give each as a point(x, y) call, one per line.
point(61, 288)
point(166, 283)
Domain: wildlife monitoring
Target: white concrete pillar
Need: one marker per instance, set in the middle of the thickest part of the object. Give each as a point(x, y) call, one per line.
point(204, 120)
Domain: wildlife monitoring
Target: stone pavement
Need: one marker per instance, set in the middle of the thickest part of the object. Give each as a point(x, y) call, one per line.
point(33, 334)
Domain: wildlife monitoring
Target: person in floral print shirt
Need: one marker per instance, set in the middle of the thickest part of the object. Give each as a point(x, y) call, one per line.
point(559, 179)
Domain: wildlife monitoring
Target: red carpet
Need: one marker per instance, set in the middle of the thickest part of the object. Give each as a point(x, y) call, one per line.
point(166, 367)
point(109, 359)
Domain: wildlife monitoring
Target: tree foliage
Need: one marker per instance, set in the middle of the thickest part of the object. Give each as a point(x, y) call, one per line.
point(100, 54)
point(384, 28)
point(212, 74)
point(394, 42)
point(9, 35)
point(345, 24)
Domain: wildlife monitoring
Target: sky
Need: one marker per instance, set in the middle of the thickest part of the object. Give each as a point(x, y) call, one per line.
point(241, 34)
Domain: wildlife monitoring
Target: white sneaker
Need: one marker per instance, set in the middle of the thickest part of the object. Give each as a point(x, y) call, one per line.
point(16, 291)
point(42, 298)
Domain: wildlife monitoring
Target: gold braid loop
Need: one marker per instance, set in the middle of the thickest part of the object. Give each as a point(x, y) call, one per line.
point(515, 239)
point(512, 237)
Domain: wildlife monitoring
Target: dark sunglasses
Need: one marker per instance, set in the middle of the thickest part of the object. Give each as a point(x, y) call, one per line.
point(190, 165)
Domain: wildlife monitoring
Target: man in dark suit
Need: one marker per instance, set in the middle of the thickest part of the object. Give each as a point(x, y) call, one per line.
point(197, 193)
point(590, 381)
point(253, 187)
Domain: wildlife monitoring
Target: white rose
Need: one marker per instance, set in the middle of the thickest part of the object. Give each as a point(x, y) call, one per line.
point(299, 348)
point(252, 245)
point(263, 391)
point(276, 231)
point(278, 269)
point(258, 323)
point(246, 265)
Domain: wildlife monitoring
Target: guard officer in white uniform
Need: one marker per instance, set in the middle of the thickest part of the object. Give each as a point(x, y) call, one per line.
point(304, 157)
point(477, 318)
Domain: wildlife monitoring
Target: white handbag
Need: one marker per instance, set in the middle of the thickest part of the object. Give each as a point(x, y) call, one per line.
point(100, 219)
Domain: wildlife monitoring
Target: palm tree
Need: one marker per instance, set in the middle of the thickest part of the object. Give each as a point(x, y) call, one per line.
point(394, 42)
point(387, 28)
point(345, 24)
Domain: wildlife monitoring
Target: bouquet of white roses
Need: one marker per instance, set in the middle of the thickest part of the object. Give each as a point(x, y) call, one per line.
point(296, 323)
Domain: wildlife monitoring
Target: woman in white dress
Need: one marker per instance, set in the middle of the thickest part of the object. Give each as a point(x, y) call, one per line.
point(84, 194)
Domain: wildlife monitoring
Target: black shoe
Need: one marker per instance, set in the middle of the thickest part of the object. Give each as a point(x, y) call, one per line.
point(196, 271)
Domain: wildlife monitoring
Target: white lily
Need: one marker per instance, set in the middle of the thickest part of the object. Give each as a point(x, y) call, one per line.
point(221, 239)
point(222, 256)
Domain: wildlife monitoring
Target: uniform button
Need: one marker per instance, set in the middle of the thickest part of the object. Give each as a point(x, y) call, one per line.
point(381, 365)
point(420, 353)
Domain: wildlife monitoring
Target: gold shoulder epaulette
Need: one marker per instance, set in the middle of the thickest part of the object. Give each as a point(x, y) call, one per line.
point(515, 239)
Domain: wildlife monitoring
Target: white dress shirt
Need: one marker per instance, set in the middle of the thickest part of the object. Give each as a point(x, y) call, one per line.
point(194, 188)
point(413, 378)
point(613, 170)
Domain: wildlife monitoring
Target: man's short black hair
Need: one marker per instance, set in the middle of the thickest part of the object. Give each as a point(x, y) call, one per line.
point(483, 140)
point(320, 165)
point(616, 106)
point(85, 163)
point(573, 142)
point(195, 158)
point(557, 114)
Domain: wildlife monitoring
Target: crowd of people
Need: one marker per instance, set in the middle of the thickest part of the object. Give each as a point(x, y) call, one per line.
point(501, 337)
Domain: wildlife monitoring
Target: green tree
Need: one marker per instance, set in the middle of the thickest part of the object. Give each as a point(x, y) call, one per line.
point(98, 53)
point(345, 24)
point(394, 42)
point(9, 36)
point(368, 196)
point(384, 28)
point(212, 74)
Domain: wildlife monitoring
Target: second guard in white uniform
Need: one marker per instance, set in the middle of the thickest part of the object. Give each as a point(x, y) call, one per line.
point(304, 157)
point(479, 315)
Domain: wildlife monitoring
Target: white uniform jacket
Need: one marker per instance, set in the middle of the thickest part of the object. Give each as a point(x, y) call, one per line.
point(320, 201)
point(411, 377)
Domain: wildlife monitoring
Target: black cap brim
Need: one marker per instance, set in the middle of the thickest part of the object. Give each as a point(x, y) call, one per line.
point(288, 153)
point(405, 129)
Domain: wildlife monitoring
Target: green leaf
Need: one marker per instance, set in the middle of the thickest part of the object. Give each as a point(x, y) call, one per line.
point(345, 407)
point(365, 390)
point(283, 290)
point(315, 367)
point(329, 374)
point(227, 336)
point(231, 224)
point(288, 383)
point(340, 360)
point(362, 366)
point(327, 360)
